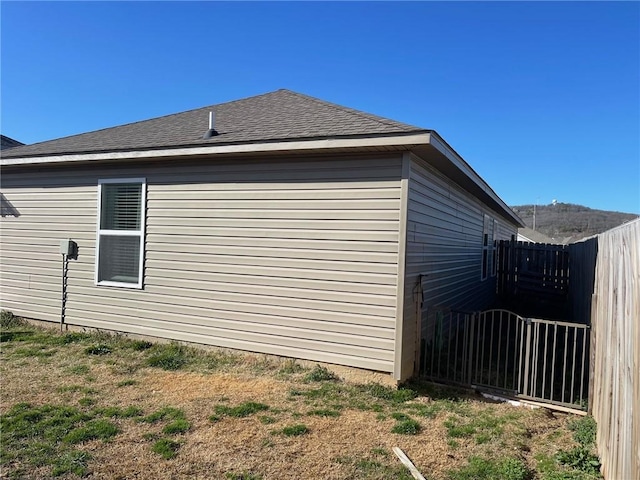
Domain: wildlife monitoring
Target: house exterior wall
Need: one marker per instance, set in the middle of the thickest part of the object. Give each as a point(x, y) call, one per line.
point(289, 257)
point(444, 243)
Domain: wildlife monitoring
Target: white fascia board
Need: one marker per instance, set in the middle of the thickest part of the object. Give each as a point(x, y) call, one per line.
point(438, 142)
point(326, 144)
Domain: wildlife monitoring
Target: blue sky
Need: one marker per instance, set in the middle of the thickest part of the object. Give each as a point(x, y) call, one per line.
point(541, 98)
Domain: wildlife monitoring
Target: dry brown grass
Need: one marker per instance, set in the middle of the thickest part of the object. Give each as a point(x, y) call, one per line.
point(335, 447)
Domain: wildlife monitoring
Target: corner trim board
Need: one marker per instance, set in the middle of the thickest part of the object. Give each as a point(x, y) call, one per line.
point(398, 374)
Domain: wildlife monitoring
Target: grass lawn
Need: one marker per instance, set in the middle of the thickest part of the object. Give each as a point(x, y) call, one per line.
point(105, 406)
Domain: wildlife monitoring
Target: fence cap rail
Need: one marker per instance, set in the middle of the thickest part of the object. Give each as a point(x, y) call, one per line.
point(500, 310)
point(560, 323)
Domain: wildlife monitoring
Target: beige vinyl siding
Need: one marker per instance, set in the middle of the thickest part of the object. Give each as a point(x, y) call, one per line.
point(290, 257)
point(30, 259)
point(444, 244)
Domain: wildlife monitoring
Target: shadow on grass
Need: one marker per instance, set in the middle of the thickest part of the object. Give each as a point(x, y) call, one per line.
point(16, 335)
point(437, 391)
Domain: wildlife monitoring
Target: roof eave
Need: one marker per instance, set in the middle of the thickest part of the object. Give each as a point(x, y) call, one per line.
point(450, 161)
point(402, 140)
point(413, 141)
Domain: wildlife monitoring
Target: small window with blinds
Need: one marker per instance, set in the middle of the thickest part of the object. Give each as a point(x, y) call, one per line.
point(120, 239)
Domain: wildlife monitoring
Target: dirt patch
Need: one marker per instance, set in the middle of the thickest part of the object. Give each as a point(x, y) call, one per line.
point(187, 387)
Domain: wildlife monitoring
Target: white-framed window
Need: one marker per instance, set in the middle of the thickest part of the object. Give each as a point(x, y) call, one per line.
point(120, 232)
point(487, 247)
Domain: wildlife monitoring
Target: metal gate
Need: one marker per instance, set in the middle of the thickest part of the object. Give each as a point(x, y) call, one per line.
point(502, 352)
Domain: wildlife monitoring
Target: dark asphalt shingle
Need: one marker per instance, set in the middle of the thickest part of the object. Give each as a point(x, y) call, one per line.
point(277, 116)
point(7, 142)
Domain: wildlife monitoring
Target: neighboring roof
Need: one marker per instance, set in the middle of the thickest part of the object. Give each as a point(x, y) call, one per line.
point(7, 142)
point(275, 116)
point(527, 234)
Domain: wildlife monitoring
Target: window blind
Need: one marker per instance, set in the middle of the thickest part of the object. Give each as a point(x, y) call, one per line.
point(121, 206)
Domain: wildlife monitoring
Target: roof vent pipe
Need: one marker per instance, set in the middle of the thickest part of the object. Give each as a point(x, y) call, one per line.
point(212, 122)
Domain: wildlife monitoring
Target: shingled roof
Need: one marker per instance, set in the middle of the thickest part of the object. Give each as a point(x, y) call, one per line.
point(8, 142)
point(282, 115)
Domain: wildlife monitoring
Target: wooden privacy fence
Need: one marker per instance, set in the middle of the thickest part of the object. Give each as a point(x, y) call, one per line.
point(533, 268)
point(533, 278)
point(582, 257)
point(615, 351)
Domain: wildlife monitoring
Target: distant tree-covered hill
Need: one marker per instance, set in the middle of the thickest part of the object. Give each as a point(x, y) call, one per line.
point(566, 222)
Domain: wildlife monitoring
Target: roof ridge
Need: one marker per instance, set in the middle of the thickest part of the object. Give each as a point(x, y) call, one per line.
point(242, 99)
point(369, 116)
